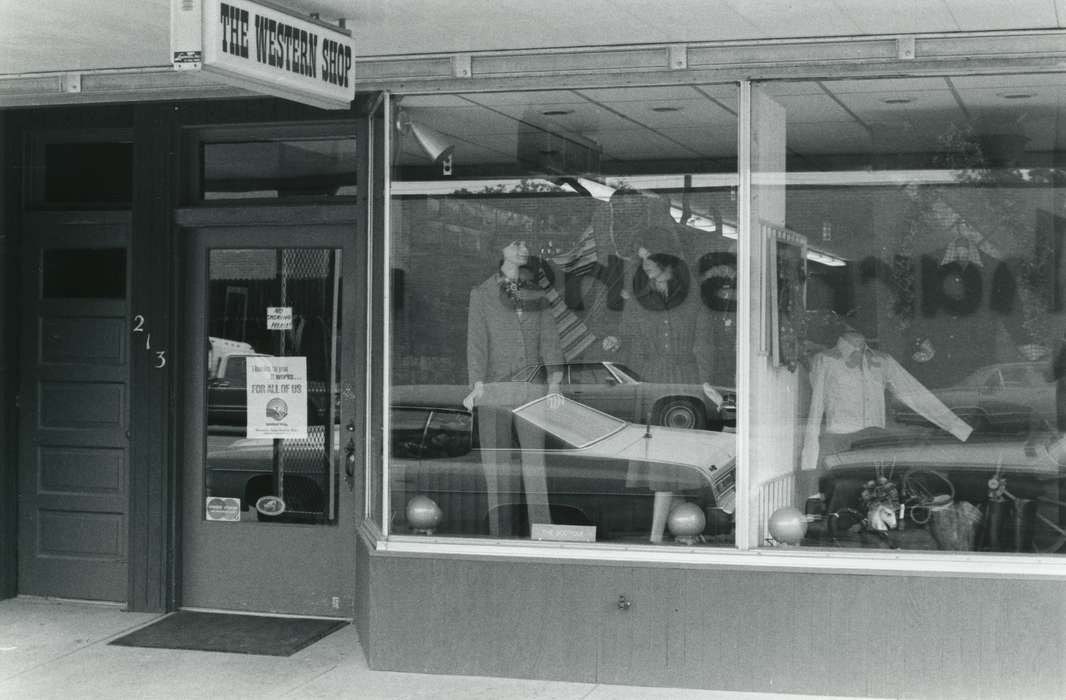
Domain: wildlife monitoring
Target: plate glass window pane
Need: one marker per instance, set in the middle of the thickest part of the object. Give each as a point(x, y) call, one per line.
point(927, 352)
point(87, 174)
point(84, 273)
point(278, 169)
point(539, 236)
point(273, 328)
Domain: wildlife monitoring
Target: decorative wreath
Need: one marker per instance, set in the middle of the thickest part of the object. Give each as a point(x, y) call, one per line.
point(959, 288)
point(721, 274)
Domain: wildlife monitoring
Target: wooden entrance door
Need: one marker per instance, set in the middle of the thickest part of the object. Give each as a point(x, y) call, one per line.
point(74, 407)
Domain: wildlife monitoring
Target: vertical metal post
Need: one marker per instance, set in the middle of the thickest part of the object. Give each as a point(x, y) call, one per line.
point(745, 269)
point(283, 293)
point(328, 438)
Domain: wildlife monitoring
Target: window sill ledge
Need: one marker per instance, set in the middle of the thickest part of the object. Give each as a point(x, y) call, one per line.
point(780, 559)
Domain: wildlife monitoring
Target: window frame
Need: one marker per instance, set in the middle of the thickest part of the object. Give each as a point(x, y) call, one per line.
point(195, 138)
point(745, 554)
point(36, 175)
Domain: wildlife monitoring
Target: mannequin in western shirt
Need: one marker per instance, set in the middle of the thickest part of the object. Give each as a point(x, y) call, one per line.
point(510, 326)
point(848, 383)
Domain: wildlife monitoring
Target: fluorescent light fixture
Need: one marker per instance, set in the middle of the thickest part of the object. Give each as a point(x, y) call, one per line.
point(825, 258)
point(583, 185)
point(703, 223)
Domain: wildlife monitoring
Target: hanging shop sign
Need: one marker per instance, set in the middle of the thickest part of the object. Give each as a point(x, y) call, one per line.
point(277, 397)
point(265, 48)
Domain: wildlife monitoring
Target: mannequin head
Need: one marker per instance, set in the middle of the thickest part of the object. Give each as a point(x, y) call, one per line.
point(516, 253)
point(659, 267)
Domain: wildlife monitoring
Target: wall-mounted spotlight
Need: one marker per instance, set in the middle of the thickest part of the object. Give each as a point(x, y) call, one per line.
point(433, 143)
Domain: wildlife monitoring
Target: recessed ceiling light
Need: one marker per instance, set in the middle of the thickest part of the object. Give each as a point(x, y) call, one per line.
point(666, 109)
point(898, 100)
point(557, 112)
point(1017, 95)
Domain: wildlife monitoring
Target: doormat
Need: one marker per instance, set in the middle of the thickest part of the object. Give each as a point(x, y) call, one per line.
point(234, 634)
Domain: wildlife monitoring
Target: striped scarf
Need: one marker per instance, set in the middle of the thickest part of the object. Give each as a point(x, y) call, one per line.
point(580, 260)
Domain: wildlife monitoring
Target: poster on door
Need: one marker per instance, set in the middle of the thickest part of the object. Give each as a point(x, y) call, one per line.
point(277, 397)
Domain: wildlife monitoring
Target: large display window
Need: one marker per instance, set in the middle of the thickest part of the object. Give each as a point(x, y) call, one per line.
point(924, 360)
point(609, 324)
point(563, 316)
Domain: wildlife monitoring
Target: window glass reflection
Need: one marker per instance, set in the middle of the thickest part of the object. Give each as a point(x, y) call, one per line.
point(297, 167)
point(928, 351)
point(273, 327)
point(566, 323)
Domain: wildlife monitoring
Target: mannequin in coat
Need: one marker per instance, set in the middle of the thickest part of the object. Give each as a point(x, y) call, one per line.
point(658, 339)
point(510, 326)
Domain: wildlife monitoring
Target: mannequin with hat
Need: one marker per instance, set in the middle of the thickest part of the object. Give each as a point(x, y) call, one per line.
point(510, 326)
point(848, 382)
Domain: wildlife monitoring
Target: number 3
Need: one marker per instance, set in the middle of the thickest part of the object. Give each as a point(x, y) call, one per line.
point(160, 359)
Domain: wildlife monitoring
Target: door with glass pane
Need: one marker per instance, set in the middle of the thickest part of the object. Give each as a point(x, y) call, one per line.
point(269, 487)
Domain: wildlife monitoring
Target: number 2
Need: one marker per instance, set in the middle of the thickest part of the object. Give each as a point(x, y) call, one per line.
point(138, 324)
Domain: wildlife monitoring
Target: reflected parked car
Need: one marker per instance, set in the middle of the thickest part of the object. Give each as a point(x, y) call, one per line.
point(589, 457)
point(227, 390)
point(992, 493)
point(1007, 397)
point(619, 391)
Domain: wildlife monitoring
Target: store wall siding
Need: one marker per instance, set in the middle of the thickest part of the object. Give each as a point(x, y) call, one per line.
point(844, 634)
point(153, 475)
point(8, 461)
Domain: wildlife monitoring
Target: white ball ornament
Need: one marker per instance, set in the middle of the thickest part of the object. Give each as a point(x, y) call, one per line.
point(788, 525)
point(423, 514)
point(686, 522)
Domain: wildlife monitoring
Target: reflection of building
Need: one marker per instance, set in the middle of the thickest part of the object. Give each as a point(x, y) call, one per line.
point(124, 177)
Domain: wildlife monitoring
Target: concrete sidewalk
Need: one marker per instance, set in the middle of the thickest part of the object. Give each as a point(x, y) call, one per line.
point(59, 649)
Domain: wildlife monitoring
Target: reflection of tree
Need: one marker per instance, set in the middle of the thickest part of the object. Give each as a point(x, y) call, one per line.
point(991, 209)
point(988, 162)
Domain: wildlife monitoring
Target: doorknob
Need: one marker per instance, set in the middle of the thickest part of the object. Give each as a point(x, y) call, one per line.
point(349, 457)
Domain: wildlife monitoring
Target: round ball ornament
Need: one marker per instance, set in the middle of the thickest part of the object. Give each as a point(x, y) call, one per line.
point(686, 522)
point(788, 525)
point(423, 514)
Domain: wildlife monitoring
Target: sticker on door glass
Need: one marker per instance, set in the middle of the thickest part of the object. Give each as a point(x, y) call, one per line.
point(279, 318)
point(277, 397)
point(227, 509)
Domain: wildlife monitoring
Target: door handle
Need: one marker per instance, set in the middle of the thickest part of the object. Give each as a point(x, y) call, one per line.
point(349, 458)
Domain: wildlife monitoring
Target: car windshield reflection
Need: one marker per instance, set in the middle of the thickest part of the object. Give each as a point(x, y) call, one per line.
point(574, 424)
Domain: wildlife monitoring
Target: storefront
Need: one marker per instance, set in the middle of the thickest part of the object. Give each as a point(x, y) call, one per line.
point(729, 365)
